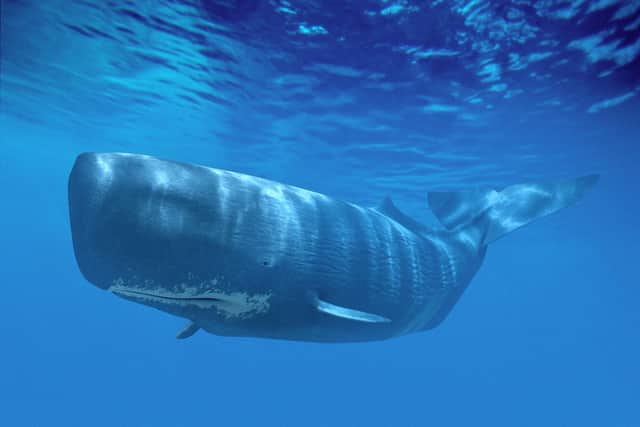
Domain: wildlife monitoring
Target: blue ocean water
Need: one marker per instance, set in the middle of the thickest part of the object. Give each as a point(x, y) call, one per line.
point(357, 100)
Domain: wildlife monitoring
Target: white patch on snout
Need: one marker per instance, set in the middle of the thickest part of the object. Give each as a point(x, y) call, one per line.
point(104, 166)
point(230, 305)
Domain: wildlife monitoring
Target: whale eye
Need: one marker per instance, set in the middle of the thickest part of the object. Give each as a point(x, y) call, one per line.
point(267, 260)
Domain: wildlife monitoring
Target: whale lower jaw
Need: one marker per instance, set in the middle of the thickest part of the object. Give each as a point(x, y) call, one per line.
point(230, 306)
point(200, 301)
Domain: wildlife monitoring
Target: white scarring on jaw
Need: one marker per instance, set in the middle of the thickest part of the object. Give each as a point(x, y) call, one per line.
point(230, 305)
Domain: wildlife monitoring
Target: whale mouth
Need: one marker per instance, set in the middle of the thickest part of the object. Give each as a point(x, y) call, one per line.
point(230, 305)
point(173, 297)
point(185, 300)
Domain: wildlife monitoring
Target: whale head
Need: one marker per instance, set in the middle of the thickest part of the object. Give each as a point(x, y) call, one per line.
point(189, 240)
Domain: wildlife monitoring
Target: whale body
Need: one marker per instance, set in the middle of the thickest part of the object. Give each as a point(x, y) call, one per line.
point(238, 255)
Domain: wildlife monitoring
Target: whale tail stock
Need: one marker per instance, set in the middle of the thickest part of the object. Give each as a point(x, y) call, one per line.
point(493, 214)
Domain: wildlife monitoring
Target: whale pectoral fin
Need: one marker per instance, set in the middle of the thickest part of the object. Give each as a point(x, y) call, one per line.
point(188, 330)
point(348, 313)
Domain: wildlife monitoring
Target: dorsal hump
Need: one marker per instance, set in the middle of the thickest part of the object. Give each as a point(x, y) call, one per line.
point(388, 208)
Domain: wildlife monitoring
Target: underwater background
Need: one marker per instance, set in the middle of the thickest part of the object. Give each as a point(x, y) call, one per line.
point(357, 100)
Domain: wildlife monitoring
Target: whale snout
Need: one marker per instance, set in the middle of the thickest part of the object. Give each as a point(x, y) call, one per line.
point(89, 184)
point(138, 219)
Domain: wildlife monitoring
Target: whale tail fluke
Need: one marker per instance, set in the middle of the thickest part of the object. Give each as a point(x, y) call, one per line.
point(500, 212)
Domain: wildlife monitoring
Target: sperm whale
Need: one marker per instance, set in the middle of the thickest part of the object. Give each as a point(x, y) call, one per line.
point(238, 255)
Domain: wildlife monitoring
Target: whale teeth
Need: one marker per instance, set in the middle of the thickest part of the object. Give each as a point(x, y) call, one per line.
point(348, 313)
point(188, 330)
